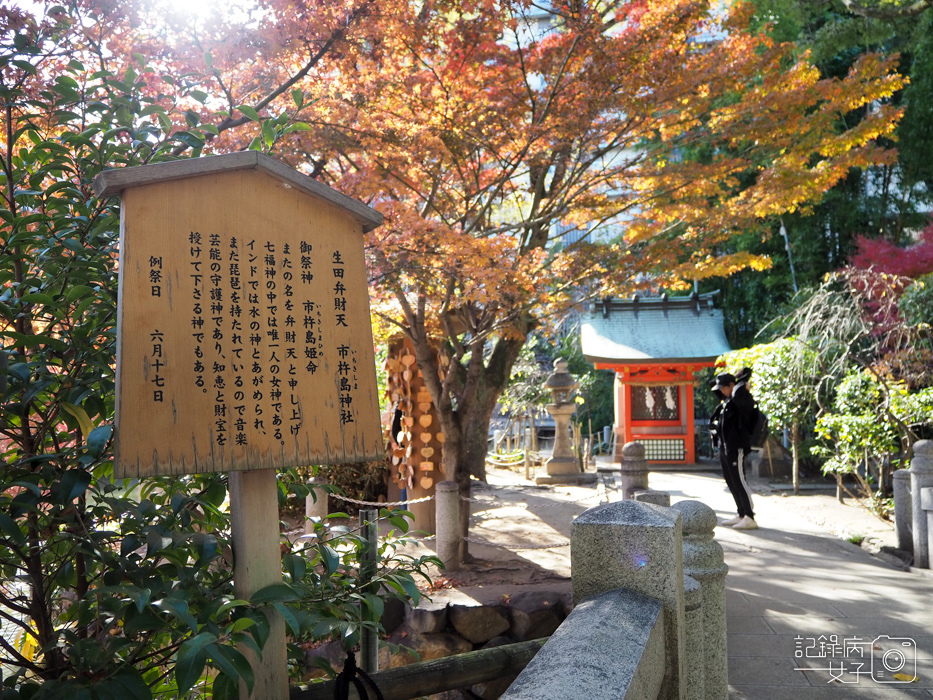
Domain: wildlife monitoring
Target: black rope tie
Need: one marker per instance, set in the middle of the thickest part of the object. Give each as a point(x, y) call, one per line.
point(351, 673)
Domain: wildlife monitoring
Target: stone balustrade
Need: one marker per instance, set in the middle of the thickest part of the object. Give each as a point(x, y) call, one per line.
point(649, 621)
point(921, 477)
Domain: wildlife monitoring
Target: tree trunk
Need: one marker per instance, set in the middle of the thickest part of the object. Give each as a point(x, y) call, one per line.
point(794, 440)
point(464, 412)
point(474, 438)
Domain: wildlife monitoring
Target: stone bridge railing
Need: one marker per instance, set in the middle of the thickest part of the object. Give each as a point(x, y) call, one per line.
point(649, 621)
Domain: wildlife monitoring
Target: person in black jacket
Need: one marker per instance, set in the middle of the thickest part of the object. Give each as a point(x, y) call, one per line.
point(732, 427)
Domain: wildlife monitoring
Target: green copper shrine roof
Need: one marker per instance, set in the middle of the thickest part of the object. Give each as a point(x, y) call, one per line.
point(643, 330)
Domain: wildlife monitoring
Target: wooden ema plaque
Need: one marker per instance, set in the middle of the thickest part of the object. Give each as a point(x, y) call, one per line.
point(244, 336)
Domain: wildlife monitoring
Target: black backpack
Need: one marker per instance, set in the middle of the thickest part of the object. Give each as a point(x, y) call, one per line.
point(760, 430)
point(759, 419)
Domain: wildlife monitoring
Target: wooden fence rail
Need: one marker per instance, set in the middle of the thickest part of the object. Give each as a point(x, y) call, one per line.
point(437, 675)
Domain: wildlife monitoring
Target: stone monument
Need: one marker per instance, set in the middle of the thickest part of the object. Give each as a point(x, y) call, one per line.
point(563, 467)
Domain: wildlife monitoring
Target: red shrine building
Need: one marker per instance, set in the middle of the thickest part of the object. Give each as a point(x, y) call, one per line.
point(654, 345)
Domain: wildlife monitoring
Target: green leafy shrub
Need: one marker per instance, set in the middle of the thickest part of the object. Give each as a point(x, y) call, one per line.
point(917, 302)
point(862, 432)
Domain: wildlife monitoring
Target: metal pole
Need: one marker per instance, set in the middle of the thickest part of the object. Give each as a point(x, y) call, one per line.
point(528, 454)
point(369, 641)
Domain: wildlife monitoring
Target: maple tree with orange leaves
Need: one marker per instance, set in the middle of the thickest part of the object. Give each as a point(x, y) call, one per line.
point(485, 131)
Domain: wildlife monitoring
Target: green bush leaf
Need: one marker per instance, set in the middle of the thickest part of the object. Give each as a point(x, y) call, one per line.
point(21, 371)
point(276, 593)
point(296, 565)
point(37, 298)
point(268, 132)
point(225, 688)
point(74, 483)
point(192, 657)
point(138, 624)
point(330, 558)
point(232, 663)
point(78, 291)
point(376, 604)
point(288, 617)
point(98, 438)
point(410, 588)
point(10, 529)
point(178, 608)
point(243, 623)
point(189, 139)
point(236, 602)
point(129, 684)
point(249, 112)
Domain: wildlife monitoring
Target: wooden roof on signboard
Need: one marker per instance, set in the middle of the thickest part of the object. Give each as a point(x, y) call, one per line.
point(649, 330)
point(113, 182)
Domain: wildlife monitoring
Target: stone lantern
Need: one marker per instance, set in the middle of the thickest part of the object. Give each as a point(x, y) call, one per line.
point(563, 463)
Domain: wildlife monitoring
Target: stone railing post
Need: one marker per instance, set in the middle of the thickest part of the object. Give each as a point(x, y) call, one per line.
point(926, 502)
point(634, 469)
point(694, 642)
point(447, 521)
point(637, 546)
point(703, 560)
point(315, 503)
point(902, 509)
point(921, 477)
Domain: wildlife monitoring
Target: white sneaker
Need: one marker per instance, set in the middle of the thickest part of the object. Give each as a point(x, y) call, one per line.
point(732, 521)
point(746, 523)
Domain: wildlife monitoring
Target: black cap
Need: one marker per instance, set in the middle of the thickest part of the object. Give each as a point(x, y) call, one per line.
point(723, 380)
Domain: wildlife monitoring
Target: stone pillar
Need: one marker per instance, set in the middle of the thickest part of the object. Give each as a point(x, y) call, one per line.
point(703, 560)
point(315, 503)
point(659, 498)
point(634, 469)
point(695, 659)
point(447, 516)
point(926, 502)
point(637, 546)
point(902, 509)
point(921, 477)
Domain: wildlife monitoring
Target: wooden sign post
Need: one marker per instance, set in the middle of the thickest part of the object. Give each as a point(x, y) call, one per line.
point(244, 341)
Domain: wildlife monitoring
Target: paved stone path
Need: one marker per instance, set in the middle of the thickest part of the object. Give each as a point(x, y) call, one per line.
point(794, 589)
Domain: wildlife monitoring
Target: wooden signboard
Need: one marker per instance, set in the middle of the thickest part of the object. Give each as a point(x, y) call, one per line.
point(244, 344)
point(244, 336)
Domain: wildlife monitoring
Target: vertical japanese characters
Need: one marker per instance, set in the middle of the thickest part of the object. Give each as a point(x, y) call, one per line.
point(346, 364)
point(257, 329)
